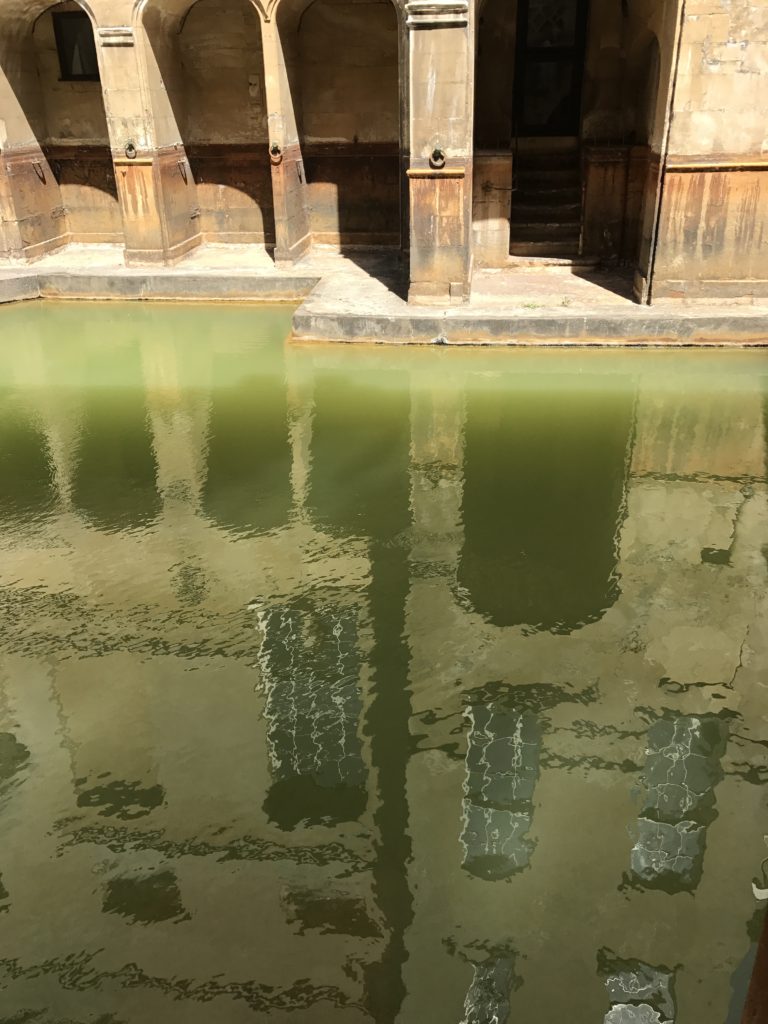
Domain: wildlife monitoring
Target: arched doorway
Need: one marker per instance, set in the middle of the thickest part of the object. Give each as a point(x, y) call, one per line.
point(529, 71)
point(56, 149)
point(345, 92)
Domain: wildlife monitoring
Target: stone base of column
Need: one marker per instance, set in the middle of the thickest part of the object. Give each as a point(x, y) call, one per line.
point(158, 203)
point(162, 257)
point(438, 293)
point(441, 261)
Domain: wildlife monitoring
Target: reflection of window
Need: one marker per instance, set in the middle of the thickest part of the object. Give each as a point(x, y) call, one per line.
point(76, 46)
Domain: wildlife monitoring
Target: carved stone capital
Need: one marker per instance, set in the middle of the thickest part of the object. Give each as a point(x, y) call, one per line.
point(436, 13)
point(116, 35)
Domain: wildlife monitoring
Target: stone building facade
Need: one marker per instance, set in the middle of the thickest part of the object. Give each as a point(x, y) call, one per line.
point(456, 132)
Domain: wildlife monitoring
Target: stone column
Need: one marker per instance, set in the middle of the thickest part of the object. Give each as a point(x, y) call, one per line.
point(292, 234)
point(34, 220)
point(154, 180)
point(441, 78)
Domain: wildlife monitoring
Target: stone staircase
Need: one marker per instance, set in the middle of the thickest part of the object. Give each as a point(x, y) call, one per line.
point(546, 199)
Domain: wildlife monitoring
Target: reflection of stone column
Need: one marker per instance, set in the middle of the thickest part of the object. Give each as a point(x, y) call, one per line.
point(502, 766)
point(639, 993)
point(682, 768)
point(52, 412)
point(437, 456)
point(301, 410)
point(179, 427)
point(310, 662)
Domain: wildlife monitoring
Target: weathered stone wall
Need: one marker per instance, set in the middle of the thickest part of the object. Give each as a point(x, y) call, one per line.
point(225, 120)
point(713, 236)
point(75, 139)
point(358, 96)
point(349, 112)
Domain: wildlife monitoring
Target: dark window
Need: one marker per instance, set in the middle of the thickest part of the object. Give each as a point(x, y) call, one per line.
point(76, 46)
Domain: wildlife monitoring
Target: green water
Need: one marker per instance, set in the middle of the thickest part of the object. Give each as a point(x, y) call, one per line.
point(356, 684)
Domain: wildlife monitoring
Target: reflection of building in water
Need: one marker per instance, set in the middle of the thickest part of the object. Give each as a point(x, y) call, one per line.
point(150, 847)
point(682, 768)
point(310, 662)
point(488, 995)
point(526, 466)
point(637, 991)
point(502, 766)
point(127, 672)
point(670, 663)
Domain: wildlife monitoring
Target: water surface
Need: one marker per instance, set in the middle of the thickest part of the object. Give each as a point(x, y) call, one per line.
point(353, 684)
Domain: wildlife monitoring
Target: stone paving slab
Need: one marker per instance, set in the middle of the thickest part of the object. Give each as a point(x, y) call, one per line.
point(361, 297)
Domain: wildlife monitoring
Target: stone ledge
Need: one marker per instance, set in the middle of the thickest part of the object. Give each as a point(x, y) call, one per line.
point(665, 330)
point(354, 307)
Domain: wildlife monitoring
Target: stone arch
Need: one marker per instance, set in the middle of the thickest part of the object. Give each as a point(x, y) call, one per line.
point(347, 104)
point(544, 495)
point(641, 87)
point(55, 141)
point(206, 85)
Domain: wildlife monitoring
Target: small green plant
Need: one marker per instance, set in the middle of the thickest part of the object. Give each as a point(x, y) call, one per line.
point(567, 300)
point(531, 305)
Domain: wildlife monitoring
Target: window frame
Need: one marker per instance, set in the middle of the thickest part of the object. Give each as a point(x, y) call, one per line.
point(65, 72)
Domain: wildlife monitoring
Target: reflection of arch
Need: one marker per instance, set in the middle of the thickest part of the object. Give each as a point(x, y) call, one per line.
point(543, 494)
point(342, 59)
point(57, 143)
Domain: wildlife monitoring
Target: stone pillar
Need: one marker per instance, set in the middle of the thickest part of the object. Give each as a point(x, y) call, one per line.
point(441, 76)
point(154, 180)
point(292, 234)
point(7, 221)
point(34, 220)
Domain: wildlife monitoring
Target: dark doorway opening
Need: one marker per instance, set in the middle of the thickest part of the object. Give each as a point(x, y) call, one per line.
point(549, 67)
point(546, 123)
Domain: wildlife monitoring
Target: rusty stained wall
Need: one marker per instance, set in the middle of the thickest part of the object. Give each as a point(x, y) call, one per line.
point(349, 112)
point(713, 235)
point(225, 120)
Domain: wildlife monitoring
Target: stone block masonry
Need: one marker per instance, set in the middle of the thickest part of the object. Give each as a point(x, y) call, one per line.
point(422, 129)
